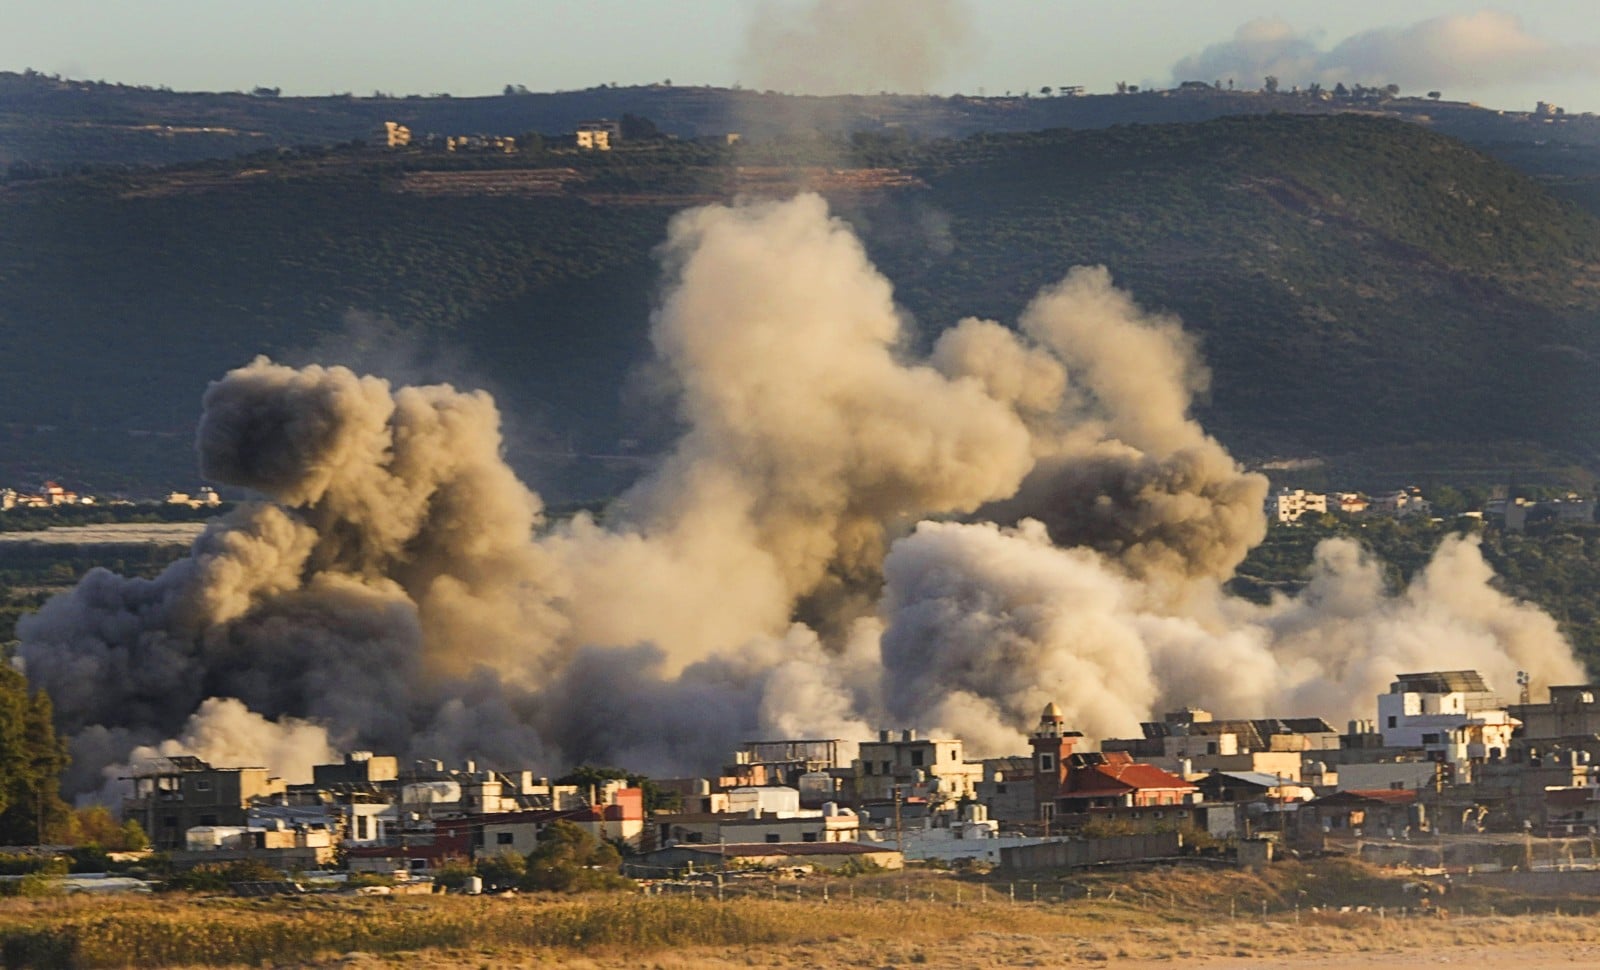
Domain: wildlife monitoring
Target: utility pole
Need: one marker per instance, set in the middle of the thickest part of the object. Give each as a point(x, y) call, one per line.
point(900, 841)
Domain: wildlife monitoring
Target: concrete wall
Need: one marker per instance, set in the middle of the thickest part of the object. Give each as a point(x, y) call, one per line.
point(1065, 854)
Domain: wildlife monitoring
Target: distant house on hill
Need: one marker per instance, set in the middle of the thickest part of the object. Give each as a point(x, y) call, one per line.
point(598, 135)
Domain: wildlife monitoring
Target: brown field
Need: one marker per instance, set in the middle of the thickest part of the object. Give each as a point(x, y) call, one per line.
point(1167, 917)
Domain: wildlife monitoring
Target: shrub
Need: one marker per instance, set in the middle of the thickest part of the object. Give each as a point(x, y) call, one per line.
point(569, 859)
point(452, 874)
point(218, 876)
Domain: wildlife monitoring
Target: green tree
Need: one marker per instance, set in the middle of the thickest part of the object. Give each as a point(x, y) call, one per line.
point(570, 859)
point(503, 870)
point(31, 761)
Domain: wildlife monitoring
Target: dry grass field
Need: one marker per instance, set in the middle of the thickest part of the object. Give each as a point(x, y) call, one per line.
point(1331, 916)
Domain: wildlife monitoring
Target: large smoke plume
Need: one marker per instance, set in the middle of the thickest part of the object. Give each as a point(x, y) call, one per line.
point(844, 536)
point(1483, 47)
point(826, 47)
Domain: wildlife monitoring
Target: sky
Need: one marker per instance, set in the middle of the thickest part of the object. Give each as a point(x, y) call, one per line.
point(1503, 57)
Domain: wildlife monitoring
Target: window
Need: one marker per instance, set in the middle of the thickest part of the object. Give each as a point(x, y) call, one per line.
point(1047, 811)
point(1047, 761)
point(1397, 786)
point(502, 838)
point(772, 837)
point(418, 865)
point(916, 759)
point(1000, 789)
point(1392, 720)
point(1430, 739)
point(888, 767)
point(1211, 747)
point(202, 784)
point(808, 836)
point(866, 767)
point(208, 820)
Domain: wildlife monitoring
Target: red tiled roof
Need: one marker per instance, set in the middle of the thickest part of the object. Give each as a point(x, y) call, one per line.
point(1124, 777)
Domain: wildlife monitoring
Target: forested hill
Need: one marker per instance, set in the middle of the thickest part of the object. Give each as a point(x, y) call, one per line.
point(1364, 289)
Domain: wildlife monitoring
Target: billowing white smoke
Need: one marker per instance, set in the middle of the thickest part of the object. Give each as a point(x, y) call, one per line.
point(844, 537)
point(810, 440)
point(989, 624)
point(1483, 47)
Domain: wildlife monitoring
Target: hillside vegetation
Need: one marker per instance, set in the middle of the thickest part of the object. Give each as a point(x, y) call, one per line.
point(48, 123)
point(1362, 288)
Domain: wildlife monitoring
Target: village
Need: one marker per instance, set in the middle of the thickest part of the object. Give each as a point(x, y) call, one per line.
point(1446, 777)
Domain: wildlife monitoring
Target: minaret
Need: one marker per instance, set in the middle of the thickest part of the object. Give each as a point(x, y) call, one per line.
point(1052, 747)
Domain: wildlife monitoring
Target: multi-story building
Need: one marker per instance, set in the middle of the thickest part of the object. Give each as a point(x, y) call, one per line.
point(1452, 715)
point(173, 795)
point(933, 768)
point(1288, 506)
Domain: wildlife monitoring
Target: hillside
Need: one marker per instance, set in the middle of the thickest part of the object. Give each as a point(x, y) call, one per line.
point(51, 124)
point(1364, 290)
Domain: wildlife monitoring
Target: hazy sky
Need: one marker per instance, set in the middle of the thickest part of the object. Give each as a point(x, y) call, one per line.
point(1504, 57)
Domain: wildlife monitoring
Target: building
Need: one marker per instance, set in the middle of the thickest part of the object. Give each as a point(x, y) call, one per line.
point(1402, 502)
point(360, 769)
point(1382, 813)
point(1288, 506)
point(1006, 790)
point(927, 767)
point(1452, 715)
point(1351, 503)
point(782, 762)
point(1070, 783)
point(1192, 740)
point(173, 795)
point(396, 135)
point(1519, 513)
point(598, 136)
point(1571, 712)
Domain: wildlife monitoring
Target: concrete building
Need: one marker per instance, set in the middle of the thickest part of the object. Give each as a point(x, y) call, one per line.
point(1351, 503)
point(1285, 505)
point(1452, 715)
point(396, 135)
point(1192, 740)
point(1006, 790)
point(1072, 784)
point(598, 136)
point(1402, 502)
point(360, 769)
point(783, 762)
point(1572, 711)
point(173, 795)
point(907, 766)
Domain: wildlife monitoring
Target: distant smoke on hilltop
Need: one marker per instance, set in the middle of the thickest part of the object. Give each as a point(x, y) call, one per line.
point(1484, 47)
point(845, 536)
point(855, 46)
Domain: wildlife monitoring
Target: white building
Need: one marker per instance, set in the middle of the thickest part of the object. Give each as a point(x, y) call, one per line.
point(1402, 502)
point(1450, 714)
point(1287, 506)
